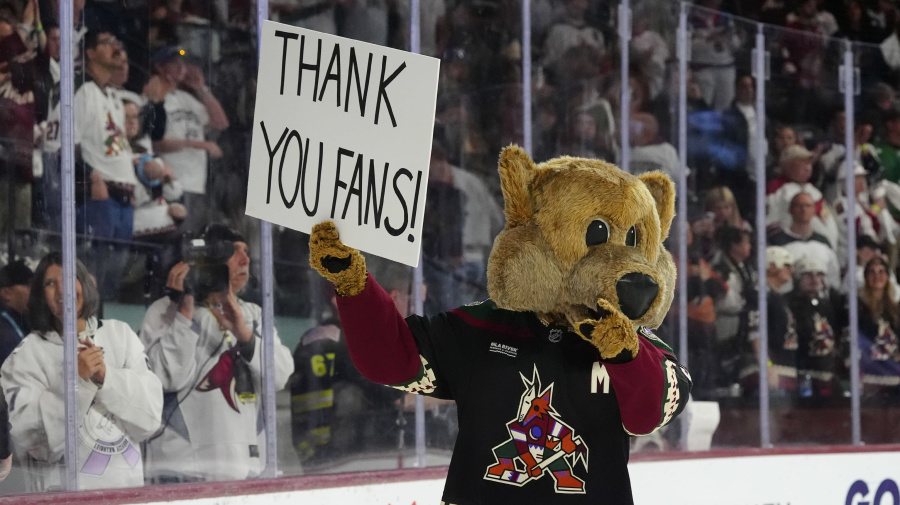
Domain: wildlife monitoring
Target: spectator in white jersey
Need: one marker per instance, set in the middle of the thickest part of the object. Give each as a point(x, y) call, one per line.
point(119, 399)
point(191, 110)
point(46, 132)
point(649, 151)
point(208, 355)
point(103, 162)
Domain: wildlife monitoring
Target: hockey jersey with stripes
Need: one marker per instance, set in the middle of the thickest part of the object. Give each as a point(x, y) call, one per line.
point(542, 419)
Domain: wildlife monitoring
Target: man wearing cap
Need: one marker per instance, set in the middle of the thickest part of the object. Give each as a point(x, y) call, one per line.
point(796, 167)
point(190, 111)
point(207, 351)
point(873, 220)
point(15, 286)
point(821, 316)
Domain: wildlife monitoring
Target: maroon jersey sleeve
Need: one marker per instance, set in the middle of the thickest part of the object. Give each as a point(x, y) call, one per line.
point(380, 342)
point(652, 388)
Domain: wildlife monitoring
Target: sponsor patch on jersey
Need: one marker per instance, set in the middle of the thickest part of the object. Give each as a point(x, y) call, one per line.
point(507, 350)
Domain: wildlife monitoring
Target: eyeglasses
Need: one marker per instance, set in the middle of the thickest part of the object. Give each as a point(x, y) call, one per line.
point(110, 42)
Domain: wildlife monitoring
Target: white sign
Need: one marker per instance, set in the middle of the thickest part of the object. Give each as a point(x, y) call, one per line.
point(342, 132)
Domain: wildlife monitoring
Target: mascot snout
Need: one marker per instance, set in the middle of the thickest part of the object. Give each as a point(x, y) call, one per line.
point(636, 292)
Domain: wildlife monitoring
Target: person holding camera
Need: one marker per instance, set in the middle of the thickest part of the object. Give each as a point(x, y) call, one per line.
point(205, 344)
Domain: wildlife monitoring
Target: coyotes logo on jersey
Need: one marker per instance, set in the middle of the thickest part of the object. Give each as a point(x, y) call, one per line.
point(231, 376)
point(822, 342)
point(539, 441)
point(115, 142)
point(886, 345)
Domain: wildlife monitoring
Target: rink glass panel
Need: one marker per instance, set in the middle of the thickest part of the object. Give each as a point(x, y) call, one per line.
point(211, 61)
point(653, 140)
point(330, 418)
point(877, 389)
point(23, 237)
point(803, 95)
point(721, 201)
point(479, 112)
point(130, 268)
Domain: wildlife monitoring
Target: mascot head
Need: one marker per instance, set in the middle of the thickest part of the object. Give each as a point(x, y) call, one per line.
point(578, 231)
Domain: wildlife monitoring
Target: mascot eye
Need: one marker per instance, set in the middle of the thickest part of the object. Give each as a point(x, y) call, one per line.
point(631, 238)
point(597, 233)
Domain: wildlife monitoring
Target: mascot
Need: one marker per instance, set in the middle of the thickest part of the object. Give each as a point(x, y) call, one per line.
point(557, 369)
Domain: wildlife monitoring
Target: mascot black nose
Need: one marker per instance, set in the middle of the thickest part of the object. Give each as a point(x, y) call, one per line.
point(636, 293)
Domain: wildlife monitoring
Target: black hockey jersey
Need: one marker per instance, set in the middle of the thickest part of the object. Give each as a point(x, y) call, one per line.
point(541, 418)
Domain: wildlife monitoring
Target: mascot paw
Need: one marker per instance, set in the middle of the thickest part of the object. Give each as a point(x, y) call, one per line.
point(613, 334)
point(344, 266)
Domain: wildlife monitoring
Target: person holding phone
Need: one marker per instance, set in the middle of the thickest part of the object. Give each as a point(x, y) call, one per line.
point(119, 398)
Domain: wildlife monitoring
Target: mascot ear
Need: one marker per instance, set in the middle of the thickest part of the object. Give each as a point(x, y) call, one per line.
point(663, 190)
point(516, 173)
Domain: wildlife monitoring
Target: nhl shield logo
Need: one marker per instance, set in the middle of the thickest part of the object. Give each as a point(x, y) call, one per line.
point(555, 335)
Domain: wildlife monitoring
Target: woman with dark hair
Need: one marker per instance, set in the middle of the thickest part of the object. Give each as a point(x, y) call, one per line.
point(119, 398)
point(879, 327)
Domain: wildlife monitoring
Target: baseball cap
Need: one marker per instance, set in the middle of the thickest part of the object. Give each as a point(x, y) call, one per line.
point(858, 169)
point(808, 264)
point(795, 152)
point(779, 256)
point(216, 232)
point(167, 53)
point(14, 274)
point(865, 241)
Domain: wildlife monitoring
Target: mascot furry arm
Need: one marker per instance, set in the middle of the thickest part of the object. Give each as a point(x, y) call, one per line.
point(575, 278)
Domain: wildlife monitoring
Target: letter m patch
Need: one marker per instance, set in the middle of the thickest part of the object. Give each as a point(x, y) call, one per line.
point(599, 377)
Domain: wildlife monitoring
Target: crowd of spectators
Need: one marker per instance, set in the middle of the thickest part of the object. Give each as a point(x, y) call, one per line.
point(806, 203)
point(176, 403)
point(163, 122)
point(163, 111)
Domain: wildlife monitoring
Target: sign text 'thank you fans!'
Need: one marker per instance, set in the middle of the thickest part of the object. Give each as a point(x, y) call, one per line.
point(342, 132)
